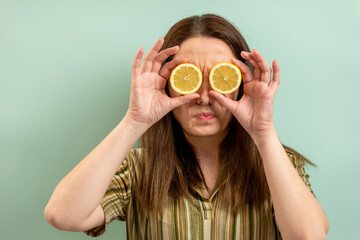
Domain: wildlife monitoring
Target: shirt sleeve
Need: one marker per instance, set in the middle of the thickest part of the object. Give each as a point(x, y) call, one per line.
point(118, 194)
point(299, 165)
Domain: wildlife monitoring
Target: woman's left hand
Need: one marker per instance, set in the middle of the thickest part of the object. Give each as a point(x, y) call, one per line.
point(254, 110)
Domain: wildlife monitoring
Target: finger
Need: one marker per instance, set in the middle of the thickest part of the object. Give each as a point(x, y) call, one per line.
point(257, 69)
point(162, 56)
point(168, 67)
point(265, 68)
point(224, 101)
point(178, 101)
point(276, 76)
point(245, 70)
point(137, 62)
point(147, 63)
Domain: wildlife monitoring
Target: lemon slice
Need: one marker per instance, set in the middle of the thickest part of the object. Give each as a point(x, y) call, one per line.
point(225, 77)
point(186, 78)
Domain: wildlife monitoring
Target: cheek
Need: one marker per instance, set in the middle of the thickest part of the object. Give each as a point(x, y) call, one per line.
point(224, 114)
point(180, 114)
point(176, 113)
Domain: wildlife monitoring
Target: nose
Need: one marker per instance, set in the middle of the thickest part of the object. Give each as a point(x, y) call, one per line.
point(205, 98)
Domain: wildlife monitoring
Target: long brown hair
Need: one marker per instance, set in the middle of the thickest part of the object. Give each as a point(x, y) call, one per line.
point(169, 166)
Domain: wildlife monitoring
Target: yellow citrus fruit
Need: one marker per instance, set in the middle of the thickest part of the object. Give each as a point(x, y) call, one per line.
point(186, 78)
point(225, 77)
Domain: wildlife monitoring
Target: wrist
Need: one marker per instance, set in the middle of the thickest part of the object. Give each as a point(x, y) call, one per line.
point(138, 128)
point(265, 136)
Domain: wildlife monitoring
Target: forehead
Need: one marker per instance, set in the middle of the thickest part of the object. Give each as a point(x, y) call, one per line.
point(205, 50)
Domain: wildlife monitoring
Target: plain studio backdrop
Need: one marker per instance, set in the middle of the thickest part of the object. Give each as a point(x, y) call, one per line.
point(65, 72)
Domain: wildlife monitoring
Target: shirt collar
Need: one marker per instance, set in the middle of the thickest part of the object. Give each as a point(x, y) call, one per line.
point(203, 198)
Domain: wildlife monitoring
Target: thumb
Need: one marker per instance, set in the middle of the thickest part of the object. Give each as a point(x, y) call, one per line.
point(178, 101)
point(224, 101)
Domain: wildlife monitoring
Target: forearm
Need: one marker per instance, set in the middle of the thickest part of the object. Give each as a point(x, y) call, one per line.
point(297, 212)
point(81, 190)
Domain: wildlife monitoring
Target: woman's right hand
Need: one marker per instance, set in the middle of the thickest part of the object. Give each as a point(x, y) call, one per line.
point(148, 100)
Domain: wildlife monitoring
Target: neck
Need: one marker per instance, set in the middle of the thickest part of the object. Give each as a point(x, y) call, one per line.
point(207, 152)
point(206, 147)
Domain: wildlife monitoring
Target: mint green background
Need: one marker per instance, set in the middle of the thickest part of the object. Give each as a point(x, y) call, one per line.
point(65, 80)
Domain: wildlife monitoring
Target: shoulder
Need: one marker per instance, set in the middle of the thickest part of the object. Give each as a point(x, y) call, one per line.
point(296, 159)
point(299, 162)
point(134, 155)
point(131, 163)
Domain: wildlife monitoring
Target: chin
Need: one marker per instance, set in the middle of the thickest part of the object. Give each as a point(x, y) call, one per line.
point(204, 131)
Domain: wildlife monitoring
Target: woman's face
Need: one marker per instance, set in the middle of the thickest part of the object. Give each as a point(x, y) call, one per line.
point(204, 116)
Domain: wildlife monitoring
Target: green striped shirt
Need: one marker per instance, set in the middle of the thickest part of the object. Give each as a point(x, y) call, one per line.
point(198, 218)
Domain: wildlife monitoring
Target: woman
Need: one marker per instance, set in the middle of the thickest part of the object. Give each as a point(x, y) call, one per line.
point(222, 176)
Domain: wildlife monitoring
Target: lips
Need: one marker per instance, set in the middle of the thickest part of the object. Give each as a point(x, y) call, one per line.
point(205, 116)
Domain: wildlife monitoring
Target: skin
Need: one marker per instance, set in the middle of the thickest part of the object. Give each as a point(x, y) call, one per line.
point(298, 214)
point(205, 135)
point(204, 53)
point(74, 204)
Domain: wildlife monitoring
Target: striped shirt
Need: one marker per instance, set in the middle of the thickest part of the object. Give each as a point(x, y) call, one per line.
point(197, 218)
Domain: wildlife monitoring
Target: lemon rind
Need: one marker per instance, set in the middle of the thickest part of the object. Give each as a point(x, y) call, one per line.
point(172, 79)
point(212, 73)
